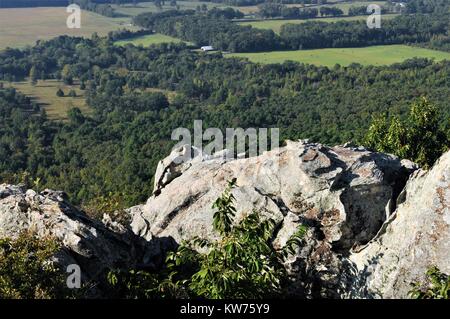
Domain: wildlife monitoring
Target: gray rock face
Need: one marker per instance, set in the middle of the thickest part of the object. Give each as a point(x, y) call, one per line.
point(369, 235)
point(344, 194)
point(416, 237)
point(92, 245)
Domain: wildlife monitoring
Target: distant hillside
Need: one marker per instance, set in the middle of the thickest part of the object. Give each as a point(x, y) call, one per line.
point(48, 3)
point(32, 3)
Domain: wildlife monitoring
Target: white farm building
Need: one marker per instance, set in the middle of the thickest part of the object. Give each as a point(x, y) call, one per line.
point(207, 48)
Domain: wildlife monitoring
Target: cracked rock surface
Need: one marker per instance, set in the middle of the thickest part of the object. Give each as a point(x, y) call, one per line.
point(94, 246)
point(416, 237)
point(375, 223)
point(343, 193)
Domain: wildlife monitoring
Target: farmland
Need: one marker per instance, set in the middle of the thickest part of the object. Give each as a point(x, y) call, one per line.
point(375, 55)
point(44, 94)
point(345, 6)
point(275, 25)
point(147, 40)
point(24, 26)
point(130, 9)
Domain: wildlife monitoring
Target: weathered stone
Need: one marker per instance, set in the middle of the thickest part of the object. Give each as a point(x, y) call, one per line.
point(416, 237)
point(368, 235)
point(90, 244)
point(347, 189)
point(340, 192)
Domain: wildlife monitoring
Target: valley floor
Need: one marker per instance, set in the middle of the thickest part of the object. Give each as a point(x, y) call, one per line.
point(375, 55)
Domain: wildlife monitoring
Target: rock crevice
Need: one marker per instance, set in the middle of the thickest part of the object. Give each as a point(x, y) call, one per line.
point(375, 222)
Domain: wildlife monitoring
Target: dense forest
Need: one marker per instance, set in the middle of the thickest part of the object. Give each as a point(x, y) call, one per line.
point(113, 151)
point(427, 6)
point(401, 30)
point(105, 155)
point(255, 2)
point(228, 36)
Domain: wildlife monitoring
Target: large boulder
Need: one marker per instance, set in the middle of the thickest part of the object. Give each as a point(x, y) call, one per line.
point(375, 223)
point(415, 238)
point(94, 246)
point(343, 193)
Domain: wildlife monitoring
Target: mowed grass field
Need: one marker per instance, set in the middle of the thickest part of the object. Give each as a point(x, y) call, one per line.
point(150, 39)
point(24, 26)
point(275, 25)
point(375, 55)
point(44, 93)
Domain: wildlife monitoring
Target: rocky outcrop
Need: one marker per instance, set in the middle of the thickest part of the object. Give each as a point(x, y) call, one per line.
point(92, 245)
point(343, 193)
point(375, 223)
point(414, 238)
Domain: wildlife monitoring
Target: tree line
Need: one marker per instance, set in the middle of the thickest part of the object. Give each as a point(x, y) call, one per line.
point(113, 151)
point(225, 35)
point(405, 29)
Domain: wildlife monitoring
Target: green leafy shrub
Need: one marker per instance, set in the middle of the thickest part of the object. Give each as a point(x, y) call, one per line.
point(437, 286)
point(110, 205)
point(143, 285)
point(26, 269)
point(72, 93)
point(242, 264)
point(60, 93)
point(418, 138)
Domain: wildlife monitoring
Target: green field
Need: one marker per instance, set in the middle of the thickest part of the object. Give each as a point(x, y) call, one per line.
point(344, 6)
point(147, 40)
point(331, 3)
point(131, 10)
point(44, 93)
point(376, 55)
point(275, 25)
point(24, 26)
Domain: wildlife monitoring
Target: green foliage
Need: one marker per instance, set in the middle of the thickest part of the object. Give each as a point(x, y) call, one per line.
point(112, 204)
point(142, 285)
point(437, 286)
point(33, 75)
point(137, 96)
point(241, 264)
point(403, 29)
point(223, 218)
point(225, 35)
point(60, 93)
point(26, 269)
point(419, 138)
point(72, 93)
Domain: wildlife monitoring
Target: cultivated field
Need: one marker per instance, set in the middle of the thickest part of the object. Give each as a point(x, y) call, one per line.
point(375, 55)
point(24, 26)
point(132, 10)
point(275, 25)
point(44, 93)
point(147, 40)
